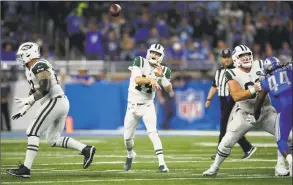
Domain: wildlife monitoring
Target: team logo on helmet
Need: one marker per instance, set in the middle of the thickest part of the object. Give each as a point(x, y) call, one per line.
point(26, 47)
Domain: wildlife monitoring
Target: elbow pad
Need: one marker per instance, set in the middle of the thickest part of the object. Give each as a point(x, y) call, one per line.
point(44, 86)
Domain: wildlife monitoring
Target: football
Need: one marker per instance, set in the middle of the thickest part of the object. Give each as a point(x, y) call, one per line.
point(115, 10)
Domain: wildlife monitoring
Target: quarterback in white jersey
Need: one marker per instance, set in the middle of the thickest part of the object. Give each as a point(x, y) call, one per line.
point(243, 84)
point(52, 113)
point(146, 75)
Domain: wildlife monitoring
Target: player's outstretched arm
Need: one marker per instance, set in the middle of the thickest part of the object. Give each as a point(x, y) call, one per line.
point(258, 103)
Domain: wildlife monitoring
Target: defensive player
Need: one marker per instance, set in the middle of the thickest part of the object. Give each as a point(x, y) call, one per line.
point(278, 82)
point(53, 111)
point(243, 85)
point(146, 73)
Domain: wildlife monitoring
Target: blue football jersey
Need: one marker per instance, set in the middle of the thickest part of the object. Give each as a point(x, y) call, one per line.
point(279, 84)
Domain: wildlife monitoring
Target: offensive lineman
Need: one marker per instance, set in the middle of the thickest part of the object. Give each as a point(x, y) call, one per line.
point(53, 111)
point(243, 85)
point(146, 73)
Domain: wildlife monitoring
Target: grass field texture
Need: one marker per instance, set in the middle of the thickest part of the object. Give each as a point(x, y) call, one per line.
point(186, 157)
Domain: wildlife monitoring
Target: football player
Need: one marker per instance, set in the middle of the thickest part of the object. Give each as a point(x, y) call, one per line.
point(146, 74)
point(52, 113)
point(243, 85)
point(278, 82)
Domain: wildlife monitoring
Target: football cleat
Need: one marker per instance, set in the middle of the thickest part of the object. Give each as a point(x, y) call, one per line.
point(212, 171)
point(281, 170)
point(128, 162)
point(88, 152)
point(248, 154)
point(21, 171)
point(163, 169)
point(213, 157)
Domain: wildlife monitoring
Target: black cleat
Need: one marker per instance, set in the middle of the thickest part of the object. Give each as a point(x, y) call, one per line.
point(128, 164)
point(213, 157)
point(163, 169)
point(88, 152)
point(21, 171)
point(248, 154)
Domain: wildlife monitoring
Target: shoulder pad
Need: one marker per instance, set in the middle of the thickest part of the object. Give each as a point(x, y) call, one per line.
point(167, 72)
point(229, 74)
point(138, 61)
point(39, 67)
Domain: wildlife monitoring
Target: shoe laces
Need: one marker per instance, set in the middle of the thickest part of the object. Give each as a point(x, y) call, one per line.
point(20, 165)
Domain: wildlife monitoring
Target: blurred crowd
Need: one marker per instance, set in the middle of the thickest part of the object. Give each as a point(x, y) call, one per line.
point(190, 31)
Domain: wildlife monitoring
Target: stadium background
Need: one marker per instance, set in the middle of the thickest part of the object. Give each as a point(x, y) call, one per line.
point(91, 51)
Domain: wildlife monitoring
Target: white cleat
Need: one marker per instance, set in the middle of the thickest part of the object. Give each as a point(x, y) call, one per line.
point(163, 168)
point(281, 170)
point(212, 171)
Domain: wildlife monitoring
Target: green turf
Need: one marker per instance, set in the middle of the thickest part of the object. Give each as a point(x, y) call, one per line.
point(186, 158)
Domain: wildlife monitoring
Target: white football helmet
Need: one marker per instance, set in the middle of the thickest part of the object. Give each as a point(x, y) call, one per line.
point(27, 51)
point(240, 60)
point(152, 58)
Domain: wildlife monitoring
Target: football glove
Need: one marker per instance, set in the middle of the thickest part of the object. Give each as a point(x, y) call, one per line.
point(25, 101)
point(250, 119)
point(22, 112)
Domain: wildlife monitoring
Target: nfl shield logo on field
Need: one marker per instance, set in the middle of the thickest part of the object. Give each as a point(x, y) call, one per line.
point(190, 104)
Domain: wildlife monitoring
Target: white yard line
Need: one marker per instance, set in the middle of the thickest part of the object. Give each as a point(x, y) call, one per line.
point(231, 177)
point(210, 144)
point(150, 162)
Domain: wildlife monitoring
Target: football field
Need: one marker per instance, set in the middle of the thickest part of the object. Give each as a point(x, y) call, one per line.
point(186, 157)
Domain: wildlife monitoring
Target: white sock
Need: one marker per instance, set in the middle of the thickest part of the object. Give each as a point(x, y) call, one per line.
point(161, 159)
point(289, 158)
point(32, 150)
point(68, 142)
point(154, 137)
point(280, 159)
point(218, 161)
point(222, 154)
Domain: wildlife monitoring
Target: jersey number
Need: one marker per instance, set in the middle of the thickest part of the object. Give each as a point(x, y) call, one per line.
point(147, 86)
point(273, 85)
point(246, 87)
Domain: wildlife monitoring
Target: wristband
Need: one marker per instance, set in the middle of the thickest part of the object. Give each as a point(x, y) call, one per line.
point(252, 90)
point(165, 82)
point(31, 99)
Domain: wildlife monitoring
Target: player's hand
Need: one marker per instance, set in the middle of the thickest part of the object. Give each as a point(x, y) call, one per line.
point(250, 119)
point(158, 71)
point(208, 103)
point(257, 86)
point(22, 112)
point(155, 85)
point(24, 101)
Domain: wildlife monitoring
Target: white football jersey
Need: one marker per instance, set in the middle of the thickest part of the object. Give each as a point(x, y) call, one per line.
point(143, 93)
point(37, 67)
point(246, 80)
